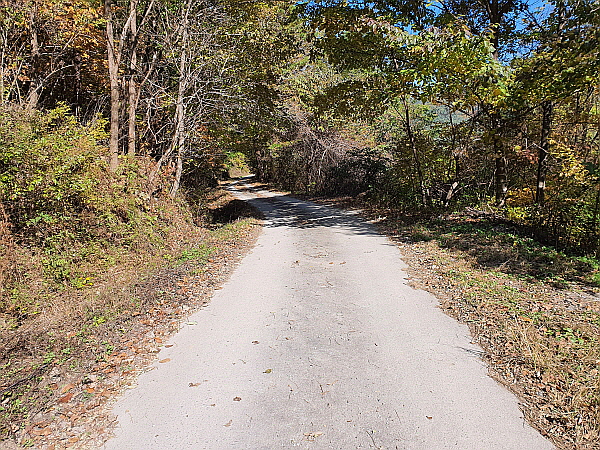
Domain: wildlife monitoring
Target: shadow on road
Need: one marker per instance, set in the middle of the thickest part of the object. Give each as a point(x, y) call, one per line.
point(280, 210)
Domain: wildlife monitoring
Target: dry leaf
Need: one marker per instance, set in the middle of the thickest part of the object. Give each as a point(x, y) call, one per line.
point(237, 399)
point(312, 436)
point(194, 384)
point(228, 424)
point(68, 387)
point(268, 371)
point(165, 360)
point(43, 432)
point(66, 398)
point(255, 342)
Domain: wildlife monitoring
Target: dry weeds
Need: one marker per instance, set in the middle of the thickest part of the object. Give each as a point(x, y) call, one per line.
point(60, 368)
point(533, 310)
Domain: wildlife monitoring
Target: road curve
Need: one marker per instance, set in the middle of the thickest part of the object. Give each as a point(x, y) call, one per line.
point(317, 342)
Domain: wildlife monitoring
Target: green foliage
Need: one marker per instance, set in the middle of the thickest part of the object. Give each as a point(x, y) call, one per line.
point(67, 217)
point(236, 163)
point(51, 169)
point(197, 254)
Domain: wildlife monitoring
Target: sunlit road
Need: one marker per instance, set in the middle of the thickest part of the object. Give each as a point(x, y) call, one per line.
point(317, 342)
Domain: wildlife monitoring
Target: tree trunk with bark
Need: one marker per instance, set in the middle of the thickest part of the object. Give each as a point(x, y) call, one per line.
point(413, 147)
point(131, 83)
point(547, 110)
point(180, 140)
point(35, 86)
point(115, 94)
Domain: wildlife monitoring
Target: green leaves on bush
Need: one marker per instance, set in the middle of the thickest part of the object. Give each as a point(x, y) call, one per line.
point(51, 169)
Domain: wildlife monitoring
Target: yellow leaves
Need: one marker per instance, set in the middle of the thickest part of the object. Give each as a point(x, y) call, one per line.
point(570, 165)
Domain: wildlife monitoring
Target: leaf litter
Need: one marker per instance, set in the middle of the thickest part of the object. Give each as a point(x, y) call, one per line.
point(79, 416)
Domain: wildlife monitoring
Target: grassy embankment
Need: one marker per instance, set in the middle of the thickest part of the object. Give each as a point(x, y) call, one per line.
point(90, 263)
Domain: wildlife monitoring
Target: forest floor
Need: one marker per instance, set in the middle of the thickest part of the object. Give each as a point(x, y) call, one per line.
point(534, 311)
point(64, 400)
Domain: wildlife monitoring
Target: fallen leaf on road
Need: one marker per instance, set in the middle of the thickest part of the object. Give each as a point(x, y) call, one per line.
point(268, 371)
point(165, 360)
point(237, 399)
point(192, 323)
point(194, 384)
point(429, 417)
point(228, 424)
point(312, 436)
point(255, 342)
point(169, 346)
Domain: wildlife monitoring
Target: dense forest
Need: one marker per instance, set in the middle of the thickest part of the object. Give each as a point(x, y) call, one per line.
point(416, 104)
point(119, 118)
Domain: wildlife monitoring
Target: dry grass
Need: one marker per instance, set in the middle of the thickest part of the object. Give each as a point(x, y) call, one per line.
point(48, 358)
point(533, 310)
point(540, 333)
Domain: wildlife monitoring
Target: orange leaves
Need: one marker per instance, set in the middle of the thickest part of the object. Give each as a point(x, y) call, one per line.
point(66, 398)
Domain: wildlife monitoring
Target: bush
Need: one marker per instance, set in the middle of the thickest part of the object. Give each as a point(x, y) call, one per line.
point(51, 170)
point(64, 216)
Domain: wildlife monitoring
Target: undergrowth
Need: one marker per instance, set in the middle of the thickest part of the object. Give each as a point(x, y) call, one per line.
point(533, 309)
point(80, 250)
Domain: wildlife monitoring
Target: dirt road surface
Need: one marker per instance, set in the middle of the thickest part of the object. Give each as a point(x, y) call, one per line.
point(317, 342)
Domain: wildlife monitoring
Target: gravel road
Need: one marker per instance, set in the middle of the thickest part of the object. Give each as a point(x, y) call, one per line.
point(317, 342)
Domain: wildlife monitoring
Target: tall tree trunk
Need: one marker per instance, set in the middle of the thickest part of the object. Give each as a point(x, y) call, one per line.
point(547, 110)
point(413, 147)
point(180, 113)
point(455, 176)
point(131, 132)
point(179, 163)
point(500, 175)
point(179, 140)
point(33, 96)
point(501, 172)
point(115, 95)
point(3, 62)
